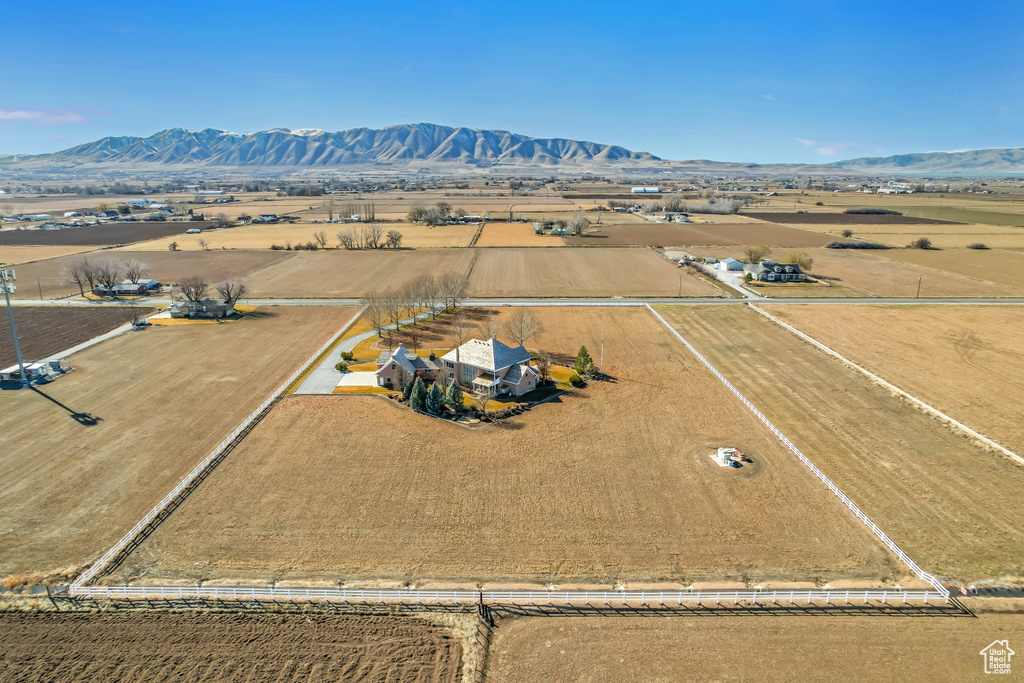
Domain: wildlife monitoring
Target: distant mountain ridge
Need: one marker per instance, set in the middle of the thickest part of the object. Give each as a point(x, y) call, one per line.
point(404, 145)
point(975, 162)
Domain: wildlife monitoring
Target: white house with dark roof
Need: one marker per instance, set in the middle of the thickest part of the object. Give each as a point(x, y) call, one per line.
point(490, 368)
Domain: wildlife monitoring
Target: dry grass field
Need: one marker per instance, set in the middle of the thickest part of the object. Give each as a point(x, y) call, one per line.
point(964, 360)
point(15, 255)
point(951, 505)
point(1004, 266)
point(86, 456)
point(942, 236)
point(713, 234)
point(354, 273)
point(237, 646)
point(263, 236)
point(164, 266)
point(613, 483)
point(749, 648)
point(869, 272)
point(823, 217)
point(581, 272)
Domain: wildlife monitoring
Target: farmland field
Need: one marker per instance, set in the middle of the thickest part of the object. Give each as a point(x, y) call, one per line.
point(842, 218)
point(613, 483)
point(211, 646)
point(1005, 266)
point(905, 469)
point(748, 648)
point(964, 360)
point(164, 266)
point(46, 330)
point(682, 234)
point(581, 272)
point(15, 255)
point(138, 412)
point(514, 235)
point(258, 236)
point(941, 236)
point(103, 234)
point(876, 274)
point(354, 273)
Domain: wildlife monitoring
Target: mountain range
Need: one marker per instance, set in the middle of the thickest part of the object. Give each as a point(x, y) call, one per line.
point(427, 147)
point(407, 146)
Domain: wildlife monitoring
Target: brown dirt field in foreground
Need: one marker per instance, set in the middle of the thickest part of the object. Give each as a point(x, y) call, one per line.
point(163, 399)
point(952, 506)
point(164, 266)
point(581, 272)
point(46, 330)
point(354, 273)
point(748, 648)
point(15, 255)
point(681, 234)
point(611, 483)
point(965, 361)
point(880, 273)
point(210, 646)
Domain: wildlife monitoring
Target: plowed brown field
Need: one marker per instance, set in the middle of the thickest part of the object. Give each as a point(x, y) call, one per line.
point(749, 648)
point(607, 484)
point(689, 234)
point(86, 456)
point(952, 506)
point(205, 646)
point(964, 360)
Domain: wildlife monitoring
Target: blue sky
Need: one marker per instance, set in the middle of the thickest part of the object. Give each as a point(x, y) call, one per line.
point(795, 81)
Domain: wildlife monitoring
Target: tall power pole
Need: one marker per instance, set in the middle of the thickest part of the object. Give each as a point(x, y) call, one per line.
point(6, 276)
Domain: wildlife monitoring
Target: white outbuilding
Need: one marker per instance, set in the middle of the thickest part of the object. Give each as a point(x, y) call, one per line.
point(730, 264)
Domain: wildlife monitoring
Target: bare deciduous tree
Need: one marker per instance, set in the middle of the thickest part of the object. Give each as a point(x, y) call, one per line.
point(459, 329)
point(108, 272)
point(203, 244)
point(191, 289)
point(231, 290)
point(135, 270)
point(755, 253)
point(489, 327)
point(799, 258)
point(393, 239)
point(346, 239)
point(376, 312)
point(453, 289)
point(543, 365)
point(173, 246)
point(445, 208)
point(321, 238)
point(372, 235)
point(578, 223)
point(394, 305)
point(81, 273)
point(523, 326)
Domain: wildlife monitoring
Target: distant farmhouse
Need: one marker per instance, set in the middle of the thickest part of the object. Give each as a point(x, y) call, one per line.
point(486, 368)
point(770, 271)
point(207, 308)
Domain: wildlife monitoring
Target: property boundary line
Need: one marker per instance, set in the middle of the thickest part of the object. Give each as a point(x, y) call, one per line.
point(959, 426)
point(524, 598)
point(197, 472)
point(875, 529)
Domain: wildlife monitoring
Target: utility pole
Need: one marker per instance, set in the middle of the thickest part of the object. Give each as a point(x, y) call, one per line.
point(5, 283)
point(918, 289)
point(602, 352)
point(40, 285)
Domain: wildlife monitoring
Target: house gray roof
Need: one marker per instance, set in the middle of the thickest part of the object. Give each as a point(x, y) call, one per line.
point(516, 372)
point(768, 266)
point(409, 361)
point(489, 355)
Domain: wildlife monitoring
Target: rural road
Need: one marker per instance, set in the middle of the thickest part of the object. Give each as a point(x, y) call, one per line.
point(579, 301)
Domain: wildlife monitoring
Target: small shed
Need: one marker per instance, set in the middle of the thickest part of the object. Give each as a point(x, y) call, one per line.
point(730, 264)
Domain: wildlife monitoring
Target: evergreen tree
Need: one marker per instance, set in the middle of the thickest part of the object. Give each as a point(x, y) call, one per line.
point(407, 390)
point(584, 363)
point(454, 397)
point(418, 395)
point(435, 400)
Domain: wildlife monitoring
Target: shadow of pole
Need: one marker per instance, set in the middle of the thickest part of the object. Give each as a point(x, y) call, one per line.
point(84, 419)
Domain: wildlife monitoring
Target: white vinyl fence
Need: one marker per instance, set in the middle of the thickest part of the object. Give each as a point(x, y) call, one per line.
point(556, 599)
point(192, 476)
point(904, 558)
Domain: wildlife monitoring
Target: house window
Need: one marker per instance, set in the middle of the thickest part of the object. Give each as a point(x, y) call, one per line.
point(450, 375)
point(771, 276)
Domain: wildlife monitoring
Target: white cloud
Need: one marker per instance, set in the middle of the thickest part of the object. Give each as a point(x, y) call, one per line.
point(805, 142)
point(770, 97)
point(831, 149)
point(44, 116)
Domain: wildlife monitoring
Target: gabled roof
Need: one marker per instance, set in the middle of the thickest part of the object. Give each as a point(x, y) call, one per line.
point(489, 355)
point(409, 361)
point(516, 372)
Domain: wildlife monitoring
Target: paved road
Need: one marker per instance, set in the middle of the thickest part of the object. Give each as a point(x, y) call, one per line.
point(324, 378)
point(565, 301)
